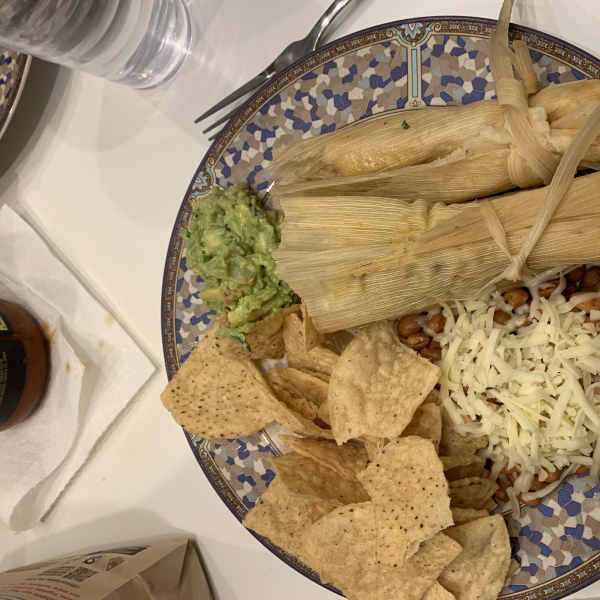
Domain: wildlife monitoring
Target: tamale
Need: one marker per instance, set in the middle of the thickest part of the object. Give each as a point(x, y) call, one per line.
point(356, 285)
point(562, 99)
point(450, 179)
point(382, 143)
point(576, 118)
point(493, 242)
point(449, 154)
point(389, 141)
point(515, 211)
point(459, 177)
point(310, 227)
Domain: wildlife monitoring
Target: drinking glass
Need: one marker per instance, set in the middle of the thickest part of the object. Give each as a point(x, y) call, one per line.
point(138, 43)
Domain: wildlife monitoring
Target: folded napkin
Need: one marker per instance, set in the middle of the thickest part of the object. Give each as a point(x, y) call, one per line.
point(96, 369)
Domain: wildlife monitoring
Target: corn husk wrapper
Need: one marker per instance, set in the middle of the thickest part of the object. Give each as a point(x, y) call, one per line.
point(560, 100)
point(474, 166)
point(420, 181)
point(311, 225)
point(351, 284)
point(480, 168)
point(450, 154)
point(384, 142)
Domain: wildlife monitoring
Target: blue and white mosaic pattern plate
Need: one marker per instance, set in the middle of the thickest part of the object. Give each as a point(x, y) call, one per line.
point(397, 66)
point(13, 71)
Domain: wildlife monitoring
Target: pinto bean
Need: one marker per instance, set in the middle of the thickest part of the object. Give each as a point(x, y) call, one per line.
point(417, 341)
point(409, 324)
point(436, 323)
point(432, 354)
point(576, 274)
point(516, 297)
point(590, 280)
point(501, 317)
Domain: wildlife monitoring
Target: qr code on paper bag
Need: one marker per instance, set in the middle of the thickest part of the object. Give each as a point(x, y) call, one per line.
point(80, 574)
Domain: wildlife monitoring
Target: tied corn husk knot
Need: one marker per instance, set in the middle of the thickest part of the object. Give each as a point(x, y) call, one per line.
point(556, 191)
point(512, 94)
point(520, 173)
point(512, 97)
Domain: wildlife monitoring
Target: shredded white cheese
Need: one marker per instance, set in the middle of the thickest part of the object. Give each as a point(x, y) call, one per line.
point(529, 385)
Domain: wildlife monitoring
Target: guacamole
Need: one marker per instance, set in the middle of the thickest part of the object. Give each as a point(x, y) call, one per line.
point(230, 241)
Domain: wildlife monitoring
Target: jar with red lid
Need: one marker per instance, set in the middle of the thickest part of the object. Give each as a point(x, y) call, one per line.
point(24, 364)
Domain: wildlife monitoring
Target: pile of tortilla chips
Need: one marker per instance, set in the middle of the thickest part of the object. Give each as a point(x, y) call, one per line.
point(379, 494)
point(389, 528)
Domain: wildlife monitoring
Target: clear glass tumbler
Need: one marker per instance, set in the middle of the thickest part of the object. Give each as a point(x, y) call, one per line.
point(139, 43)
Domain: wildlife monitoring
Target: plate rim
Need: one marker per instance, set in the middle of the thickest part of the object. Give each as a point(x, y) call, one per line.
point(230, 130)
point(13, 99)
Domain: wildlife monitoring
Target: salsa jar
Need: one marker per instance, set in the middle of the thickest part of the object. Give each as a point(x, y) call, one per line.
point(24, 364)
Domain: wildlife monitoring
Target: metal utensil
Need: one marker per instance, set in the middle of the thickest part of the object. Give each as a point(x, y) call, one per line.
point(290, 55)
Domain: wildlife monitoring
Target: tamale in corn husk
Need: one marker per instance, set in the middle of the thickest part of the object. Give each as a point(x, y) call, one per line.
point(450, 154)
point(565, 98)
point(352, 269)
point(310, 227)
point(350, 284)
point(420, 181)
point(385, 142)
point(382, 143)
point(466, 174)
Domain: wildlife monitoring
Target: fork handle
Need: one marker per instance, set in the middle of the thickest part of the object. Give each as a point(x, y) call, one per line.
point(320, 29)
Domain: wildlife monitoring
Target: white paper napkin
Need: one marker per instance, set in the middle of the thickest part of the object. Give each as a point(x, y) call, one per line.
point(96, 370)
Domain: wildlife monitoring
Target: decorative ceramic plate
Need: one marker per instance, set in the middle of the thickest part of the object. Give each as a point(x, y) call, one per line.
point(13, 71)
point(403, 65)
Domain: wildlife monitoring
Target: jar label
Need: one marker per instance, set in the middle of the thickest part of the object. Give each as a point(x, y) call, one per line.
point(12, 377)
point(5, 328)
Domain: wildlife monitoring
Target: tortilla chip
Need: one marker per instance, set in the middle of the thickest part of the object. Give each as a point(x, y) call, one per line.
point(323, 413)
point(461, 467)
point(303, 476)
point(473, 492)
point(299, 405)
point(377, 385)
point(216, 397)
point(426, 563)
point(299, 384)
point(322, 376)
point(479, 571)
point(418, 573)
point(438, 592)
point(283, 517)
point(341, 548)
point(265, 338)
point(513, 567)
point(297, 423)
point(456, 444)
point(318, 362)
point(465, 515)
point(312, 338)
point(338, 341)
point(373, 445)
point(407, 486)
point(433, 397)
point(346, 460)
point(426, 423)
point(491, 505)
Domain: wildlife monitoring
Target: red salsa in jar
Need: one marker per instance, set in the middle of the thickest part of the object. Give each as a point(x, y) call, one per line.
point(23, 364)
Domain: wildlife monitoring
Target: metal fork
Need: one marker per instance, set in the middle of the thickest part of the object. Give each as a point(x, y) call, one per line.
point(290, 55)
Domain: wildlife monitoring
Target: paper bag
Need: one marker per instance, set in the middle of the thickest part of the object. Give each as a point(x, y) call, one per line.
point(168, 570)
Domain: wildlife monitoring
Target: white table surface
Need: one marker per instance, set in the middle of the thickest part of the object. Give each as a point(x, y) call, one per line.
point(101, 170)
